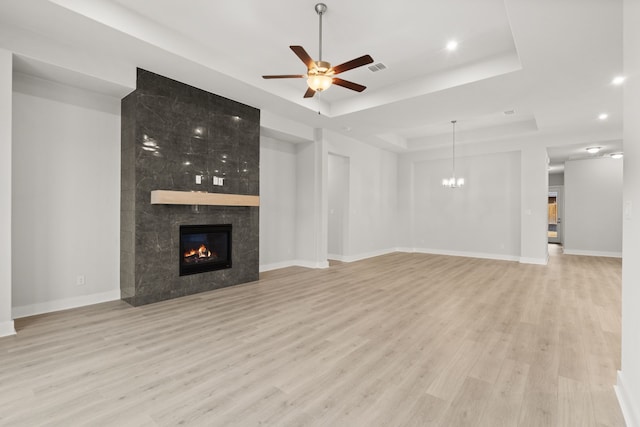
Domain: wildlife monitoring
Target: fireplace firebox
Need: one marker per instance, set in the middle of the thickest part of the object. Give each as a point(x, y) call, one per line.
point(204, 248)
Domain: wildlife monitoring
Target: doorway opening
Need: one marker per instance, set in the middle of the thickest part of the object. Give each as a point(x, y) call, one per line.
point(552, 231)
point(555, 205)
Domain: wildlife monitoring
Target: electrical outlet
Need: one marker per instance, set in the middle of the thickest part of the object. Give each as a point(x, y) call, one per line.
point(80, 280)
point(198, 179)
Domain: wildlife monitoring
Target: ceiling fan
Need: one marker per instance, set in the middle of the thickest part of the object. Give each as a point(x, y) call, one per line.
point(320, 74)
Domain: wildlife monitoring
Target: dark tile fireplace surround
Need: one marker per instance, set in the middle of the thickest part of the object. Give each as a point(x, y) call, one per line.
point(172, 133)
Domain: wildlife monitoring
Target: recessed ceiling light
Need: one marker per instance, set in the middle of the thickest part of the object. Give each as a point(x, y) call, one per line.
point(593, 150)
point(618, 80)
point(603, 116)
point(452, 45)
point(616, 155)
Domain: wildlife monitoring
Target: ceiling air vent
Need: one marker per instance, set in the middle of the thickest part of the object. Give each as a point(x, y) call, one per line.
point(377, 67)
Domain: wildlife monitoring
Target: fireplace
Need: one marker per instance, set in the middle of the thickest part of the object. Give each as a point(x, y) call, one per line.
point(204, 248)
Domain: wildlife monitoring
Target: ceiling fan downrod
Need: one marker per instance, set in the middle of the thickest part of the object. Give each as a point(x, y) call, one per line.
point(321, 8)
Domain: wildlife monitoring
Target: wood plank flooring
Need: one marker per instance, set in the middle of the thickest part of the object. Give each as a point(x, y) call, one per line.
point(396, 340)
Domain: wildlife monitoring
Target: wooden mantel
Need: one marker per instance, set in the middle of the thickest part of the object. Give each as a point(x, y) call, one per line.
point(169, 197)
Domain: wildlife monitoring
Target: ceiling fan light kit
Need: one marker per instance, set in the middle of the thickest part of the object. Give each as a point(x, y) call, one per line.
point(319, 82)
point(320, 74)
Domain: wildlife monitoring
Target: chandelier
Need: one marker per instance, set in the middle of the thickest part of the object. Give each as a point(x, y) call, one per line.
point(453, 182)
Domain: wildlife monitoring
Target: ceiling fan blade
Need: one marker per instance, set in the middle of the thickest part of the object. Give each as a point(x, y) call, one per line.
point(303, 55)
point(354, 63)
point(285, 76)
point(348, 85)
point(309, 93)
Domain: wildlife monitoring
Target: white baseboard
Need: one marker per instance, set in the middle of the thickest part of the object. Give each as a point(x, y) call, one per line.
point(325, 264)
point(311, 264)
point(64, 304)
point(293, 263)
point(7, 329)
point(537, 261)
point(407, 250)
point(276, 266)
point(499, 257)
point(359, 257)
point(628, 406)
point(592, 253)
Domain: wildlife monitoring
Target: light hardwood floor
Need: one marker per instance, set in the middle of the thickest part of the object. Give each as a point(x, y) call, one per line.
point(397, 340)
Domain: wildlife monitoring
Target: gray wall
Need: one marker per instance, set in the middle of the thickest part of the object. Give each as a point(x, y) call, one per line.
point(338, 189)
point(556, 179)
point(370, 225)
point(481, 219)
point(66, 196)
point(278, 184)
point(593, 207)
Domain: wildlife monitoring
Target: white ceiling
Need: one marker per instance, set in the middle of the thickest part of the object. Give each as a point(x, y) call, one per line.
point(550, 61)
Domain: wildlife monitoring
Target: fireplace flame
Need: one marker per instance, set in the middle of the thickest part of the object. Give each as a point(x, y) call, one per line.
point(201, 252)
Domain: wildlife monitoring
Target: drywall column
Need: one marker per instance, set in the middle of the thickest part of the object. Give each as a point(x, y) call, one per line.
point(628, 387)
point(311, 203)
point(535, 188)
point(322, 198)
point(6, 83)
